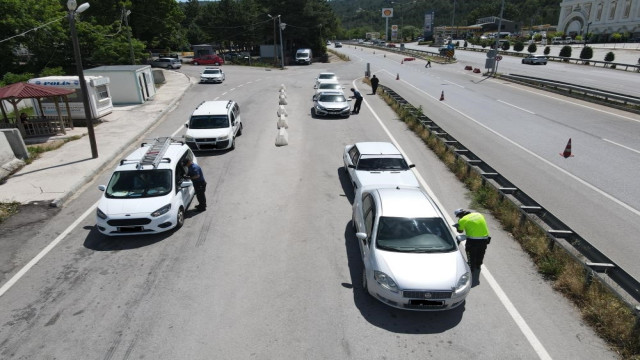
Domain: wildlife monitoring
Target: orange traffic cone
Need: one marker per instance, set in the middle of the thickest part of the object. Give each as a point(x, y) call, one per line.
point(398, 76)
point(442, 96)
point(567, 150)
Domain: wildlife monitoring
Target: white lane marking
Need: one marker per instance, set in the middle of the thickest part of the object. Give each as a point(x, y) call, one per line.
point(225, 93)
point(517, 107)
point(626, 147)
point(583, 182)
point(577, 104)
point(45, 251)
point(511, 309)
point(451, 82)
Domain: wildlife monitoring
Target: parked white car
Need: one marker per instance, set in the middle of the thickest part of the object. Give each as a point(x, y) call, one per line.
point(147, 192)
point(377, 163)
point(214, 125)
point(410, 254)
point(325, 77)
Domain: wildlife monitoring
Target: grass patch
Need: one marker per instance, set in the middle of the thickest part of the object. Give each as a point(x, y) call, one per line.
point(608, 315)
point(342, 56)
point(7, 209)
point(38, 149)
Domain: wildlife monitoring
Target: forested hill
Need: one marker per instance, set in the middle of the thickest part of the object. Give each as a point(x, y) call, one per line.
point(367, 13)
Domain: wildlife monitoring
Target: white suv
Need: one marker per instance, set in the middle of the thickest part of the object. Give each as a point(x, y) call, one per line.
point(214, 125)
point(148, 192)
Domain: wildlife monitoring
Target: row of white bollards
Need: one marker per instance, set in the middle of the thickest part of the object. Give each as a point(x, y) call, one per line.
point(282, 138)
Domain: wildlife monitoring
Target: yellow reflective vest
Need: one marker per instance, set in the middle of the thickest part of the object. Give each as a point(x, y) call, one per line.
point(474, 226)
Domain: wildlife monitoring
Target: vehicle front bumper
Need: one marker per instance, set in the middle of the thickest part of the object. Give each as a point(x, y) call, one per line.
point(418, 300)
point(207, 144)
point(136, 224)
point(333, 112)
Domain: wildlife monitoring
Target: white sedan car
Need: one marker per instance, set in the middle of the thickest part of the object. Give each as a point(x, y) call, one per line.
point(331, 103)
point(325, 77)
point(377, 163)
point(328, 86)
point(411, 257)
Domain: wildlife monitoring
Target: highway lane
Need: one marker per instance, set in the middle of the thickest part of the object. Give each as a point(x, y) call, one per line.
point(272, 270)
point(624, 82)
point(595, 192)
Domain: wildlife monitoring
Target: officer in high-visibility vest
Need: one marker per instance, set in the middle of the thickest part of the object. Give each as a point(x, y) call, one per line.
point(475, 228)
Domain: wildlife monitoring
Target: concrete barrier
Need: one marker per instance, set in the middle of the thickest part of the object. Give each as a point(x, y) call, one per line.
point(13, 152)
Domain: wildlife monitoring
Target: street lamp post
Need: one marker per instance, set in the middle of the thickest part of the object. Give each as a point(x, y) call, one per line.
point(126, 22)
point(586, 35)
point(282, 27)
point(72, 5)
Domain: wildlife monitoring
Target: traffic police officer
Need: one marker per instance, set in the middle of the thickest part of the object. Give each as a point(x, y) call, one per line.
point(477, 232)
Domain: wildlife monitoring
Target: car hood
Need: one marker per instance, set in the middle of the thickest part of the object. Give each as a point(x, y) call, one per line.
point(435, 271)
point(207, 133)
point(119, 207)
point(401, 178)
point(333, 105)
point(213, 76)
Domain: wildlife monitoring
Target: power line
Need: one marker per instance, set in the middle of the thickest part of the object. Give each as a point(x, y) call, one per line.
point(33, 29)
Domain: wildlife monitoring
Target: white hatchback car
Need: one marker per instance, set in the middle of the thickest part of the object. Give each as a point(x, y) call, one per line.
point(377, 163)
point(325, 77)
point(410, 254)
point(214, 125)
point(147, 193)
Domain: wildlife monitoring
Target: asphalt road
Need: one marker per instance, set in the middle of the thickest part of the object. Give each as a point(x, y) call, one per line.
point(272, 268)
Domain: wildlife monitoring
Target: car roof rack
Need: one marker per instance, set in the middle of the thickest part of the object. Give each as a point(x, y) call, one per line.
point(154, 154)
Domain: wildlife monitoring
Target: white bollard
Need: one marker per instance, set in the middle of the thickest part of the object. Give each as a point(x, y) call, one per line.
point(283, 138)
point(282, 122)
point(282, 101)
point(282, 93)
point(282, 111)
point(282, 87)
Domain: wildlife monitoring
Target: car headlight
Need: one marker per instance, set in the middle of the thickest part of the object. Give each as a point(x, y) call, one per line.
point(385, 281)
point(162, 210)
point(463, 282)
point(188, 138)
point(100, 214)
point(320, 107)
point(222, 138)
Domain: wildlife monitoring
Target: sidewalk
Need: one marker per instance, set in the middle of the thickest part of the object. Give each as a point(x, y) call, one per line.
point(58, 174)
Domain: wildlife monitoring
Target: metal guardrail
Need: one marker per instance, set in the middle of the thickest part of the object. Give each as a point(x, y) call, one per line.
point(594, 262)
point(609, 98)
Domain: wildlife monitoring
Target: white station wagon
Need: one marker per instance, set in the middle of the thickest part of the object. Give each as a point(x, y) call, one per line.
point(369, 163)
point(411, 257)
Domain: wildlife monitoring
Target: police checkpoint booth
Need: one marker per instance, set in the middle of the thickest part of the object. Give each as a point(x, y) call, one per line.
point(129, 84)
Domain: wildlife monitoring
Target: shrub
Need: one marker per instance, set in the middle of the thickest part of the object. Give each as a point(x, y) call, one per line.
point(547, 50)
point(465, 43)
point(586, 53)
point(532, 48)
point(518, 46)
point(565, 51)
point(609, 57)
point(505, 46)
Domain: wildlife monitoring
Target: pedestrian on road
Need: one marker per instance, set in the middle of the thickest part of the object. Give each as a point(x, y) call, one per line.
point(358, 97)
point(199, 184)
point(374, 84)
point(428, 63)
point(477, 233)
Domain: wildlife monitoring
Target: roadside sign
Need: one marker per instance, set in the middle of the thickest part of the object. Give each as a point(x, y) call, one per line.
point(498, 57)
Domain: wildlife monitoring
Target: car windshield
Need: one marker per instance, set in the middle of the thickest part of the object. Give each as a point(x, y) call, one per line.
point(139, 184)
point(428, 235)
point(326, 76)
point(212, 72)
point(302, 55)
point(209, 122)
point(326, 86)
point(332, 98)
point(389, 163)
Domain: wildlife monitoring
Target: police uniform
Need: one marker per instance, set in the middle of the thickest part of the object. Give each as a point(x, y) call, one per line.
point(477, 232)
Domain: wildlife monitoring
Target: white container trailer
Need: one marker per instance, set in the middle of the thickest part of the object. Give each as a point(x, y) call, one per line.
point(130, 84)
point(97, 87)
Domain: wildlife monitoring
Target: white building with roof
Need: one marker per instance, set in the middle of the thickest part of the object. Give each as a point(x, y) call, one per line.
point(604, 17)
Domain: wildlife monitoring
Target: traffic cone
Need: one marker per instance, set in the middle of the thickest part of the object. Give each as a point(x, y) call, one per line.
point(442, 96)
point(398, 76)
point(567, 150)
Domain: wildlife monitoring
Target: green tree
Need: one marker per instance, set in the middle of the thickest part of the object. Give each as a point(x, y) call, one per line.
point(616, 37)
point(518, 46)
point(565, 51)
point(532, 48)
point(586, 53)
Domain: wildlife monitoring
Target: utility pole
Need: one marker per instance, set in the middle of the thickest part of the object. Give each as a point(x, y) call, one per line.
point(126, 22)
point(498, 39)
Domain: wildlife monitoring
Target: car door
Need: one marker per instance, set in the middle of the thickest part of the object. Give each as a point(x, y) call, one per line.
point(353, 156)
point(369, 216)
point(186, 193)
point(235, 120)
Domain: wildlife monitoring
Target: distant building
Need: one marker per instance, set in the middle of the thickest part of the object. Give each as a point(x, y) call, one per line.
point(605, 16)
point(491, 24)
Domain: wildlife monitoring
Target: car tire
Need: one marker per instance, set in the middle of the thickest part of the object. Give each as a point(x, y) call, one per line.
point(195, 63)
point(364, 280)
point(240, 130)
point(523, 61)
point(233, 144)
point(180, 218)
point(216, 63)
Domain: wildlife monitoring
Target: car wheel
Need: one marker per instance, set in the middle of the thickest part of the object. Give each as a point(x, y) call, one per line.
point(233, 144)
point(523, 61)
point(180, 218)
point(216, 63)
point(240, 130)
point(364, 280)
point(195, 63)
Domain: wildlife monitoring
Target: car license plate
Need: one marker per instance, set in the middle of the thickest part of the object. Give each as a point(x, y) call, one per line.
point(130, 229)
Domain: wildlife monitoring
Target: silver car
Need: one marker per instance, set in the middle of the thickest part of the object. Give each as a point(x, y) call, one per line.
point(212, 75)
point(331, 103)
point(167, 63)
point(410, 254)
point(377, 163)
point(535, 59)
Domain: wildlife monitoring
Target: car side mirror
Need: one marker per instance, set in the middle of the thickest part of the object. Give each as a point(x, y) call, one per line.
point(102, 187)
point(412, 166)
point(186, 184)
point(362, 237)
point(351, 166)
point(461, 238)
point(186, 125)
